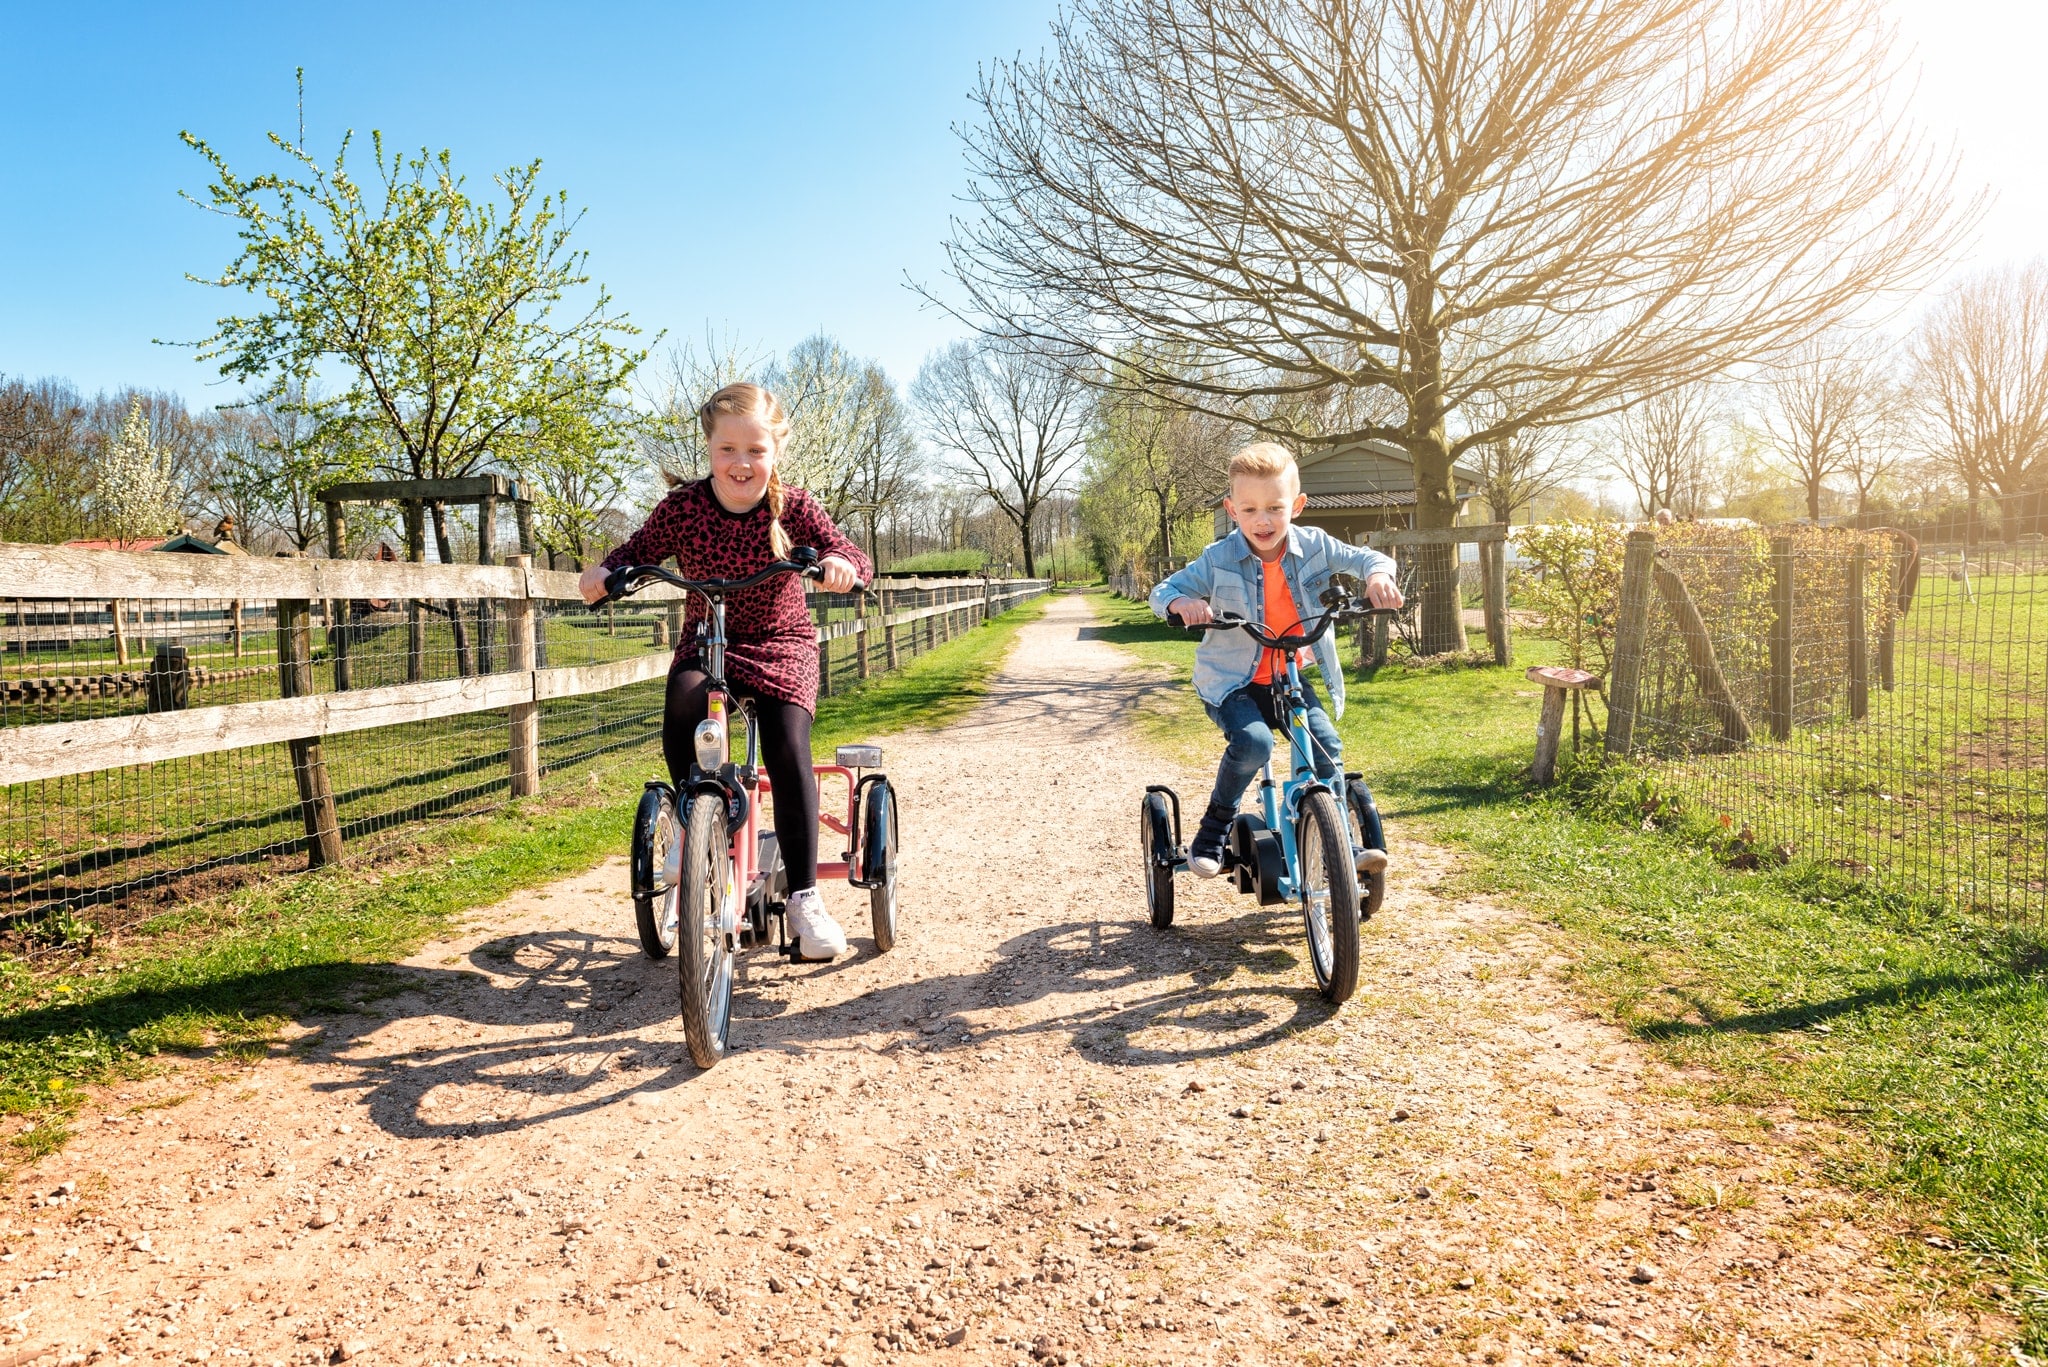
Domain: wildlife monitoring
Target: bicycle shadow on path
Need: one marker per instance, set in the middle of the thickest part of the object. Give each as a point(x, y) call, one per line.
point(562, 1023)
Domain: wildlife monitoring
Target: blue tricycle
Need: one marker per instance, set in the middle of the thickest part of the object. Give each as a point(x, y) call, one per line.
point(1306, 843)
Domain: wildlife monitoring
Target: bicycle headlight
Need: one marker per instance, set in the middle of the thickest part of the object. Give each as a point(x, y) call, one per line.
point(710, 740)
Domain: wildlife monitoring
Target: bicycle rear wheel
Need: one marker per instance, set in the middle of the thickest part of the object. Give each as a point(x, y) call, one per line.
point(705, 966)
point(1366, 834)
point(655, 833)
point(879, 837)
point(1329, 895)
point(1155, 845)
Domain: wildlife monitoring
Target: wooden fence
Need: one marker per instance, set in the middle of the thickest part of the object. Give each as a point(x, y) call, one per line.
point(314, 698)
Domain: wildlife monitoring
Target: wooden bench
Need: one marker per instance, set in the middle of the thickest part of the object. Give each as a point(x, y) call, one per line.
point(1557, 681)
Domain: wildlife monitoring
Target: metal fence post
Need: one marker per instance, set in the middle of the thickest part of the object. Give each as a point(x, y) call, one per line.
point(309, 763)
point(824, 646)
point(1859, 646)
point(1639, 562)
point(1779, 704)
point(524, 742)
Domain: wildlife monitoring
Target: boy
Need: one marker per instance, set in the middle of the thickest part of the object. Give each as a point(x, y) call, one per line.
point(1271, 572)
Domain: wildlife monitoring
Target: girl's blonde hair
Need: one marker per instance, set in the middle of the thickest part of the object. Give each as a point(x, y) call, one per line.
point(1263, 460)
point(745, 400)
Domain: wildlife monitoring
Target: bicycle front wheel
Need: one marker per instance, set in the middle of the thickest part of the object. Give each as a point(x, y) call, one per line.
point(1329, 895)
point(705, 966)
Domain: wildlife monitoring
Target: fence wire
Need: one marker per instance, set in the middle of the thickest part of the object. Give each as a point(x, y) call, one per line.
point(92, 854)
point(1856, 699)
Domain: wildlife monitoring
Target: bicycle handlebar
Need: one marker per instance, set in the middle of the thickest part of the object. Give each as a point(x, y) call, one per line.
point(627, 580)
point(1289, 642)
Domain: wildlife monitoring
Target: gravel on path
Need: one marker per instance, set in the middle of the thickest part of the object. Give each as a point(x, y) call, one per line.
point(1037, 1132)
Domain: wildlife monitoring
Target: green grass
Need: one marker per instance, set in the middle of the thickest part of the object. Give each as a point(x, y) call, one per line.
point(223, 976)
point(1925, 1032)
point(939, 562)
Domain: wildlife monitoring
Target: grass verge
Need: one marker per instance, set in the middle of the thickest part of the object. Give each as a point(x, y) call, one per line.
point(224, 976)
point(1925, 1032)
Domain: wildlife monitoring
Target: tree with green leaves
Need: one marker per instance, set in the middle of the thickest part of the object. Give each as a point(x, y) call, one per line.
point(465, 331)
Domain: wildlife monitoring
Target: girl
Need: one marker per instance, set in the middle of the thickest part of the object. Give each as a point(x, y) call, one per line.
point(723, 527)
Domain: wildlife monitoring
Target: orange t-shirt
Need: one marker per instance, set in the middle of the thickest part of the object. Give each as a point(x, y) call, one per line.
point(1282, 618)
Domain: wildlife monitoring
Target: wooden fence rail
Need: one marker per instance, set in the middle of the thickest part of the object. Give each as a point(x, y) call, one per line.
point(299, 718)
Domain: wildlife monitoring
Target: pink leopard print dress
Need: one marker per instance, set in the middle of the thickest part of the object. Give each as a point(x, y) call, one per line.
point(771, 645)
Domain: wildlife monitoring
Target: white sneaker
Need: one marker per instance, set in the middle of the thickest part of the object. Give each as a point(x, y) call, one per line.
point(1203, 867)
point(818, 937)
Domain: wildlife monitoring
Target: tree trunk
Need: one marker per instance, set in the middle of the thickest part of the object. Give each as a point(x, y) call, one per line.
point(1024, 535)
point(463, 665)
point(1436, 506)
point(1813, 501)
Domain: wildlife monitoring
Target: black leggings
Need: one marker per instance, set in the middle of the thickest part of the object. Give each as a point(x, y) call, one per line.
point(785, 752)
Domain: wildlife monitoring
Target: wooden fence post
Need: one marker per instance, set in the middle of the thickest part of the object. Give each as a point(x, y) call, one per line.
point(1631, 634)
point(860, 636)
point(309, 764)
point(889, 632)
point(120, 632)
point(1699, 649)
point(1779, 693)
point(1859, 644)
point(415, 620)
point(1493, 565)
point(486, 554)
point(337, 612)
point(524, 743)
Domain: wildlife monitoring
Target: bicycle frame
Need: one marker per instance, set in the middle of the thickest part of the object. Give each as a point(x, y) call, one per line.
point(1283, 800)
point(711, 770)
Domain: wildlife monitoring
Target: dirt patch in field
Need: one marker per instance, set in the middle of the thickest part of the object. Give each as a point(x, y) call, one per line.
point(1038, 1131)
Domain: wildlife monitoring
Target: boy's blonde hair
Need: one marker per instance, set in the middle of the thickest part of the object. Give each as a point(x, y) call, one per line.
point(1264, 460)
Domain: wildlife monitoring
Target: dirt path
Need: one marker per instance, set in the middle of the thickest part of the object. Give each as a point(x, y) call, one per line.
point(1038, 1129)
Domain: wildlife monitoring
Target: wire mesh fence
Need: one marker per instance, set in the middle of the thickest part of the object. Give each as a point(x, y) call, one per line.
point(1851, 697)
point(88, 853)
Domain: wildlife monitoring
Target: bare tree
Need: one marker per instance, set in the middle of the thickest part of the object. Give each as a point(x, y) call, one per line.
point(1580, 202)
point(1013, 420)
point(1823, 404)
point(45, 473)
point(1660, 448)
point(688, 374)
point(1983, 386)
point(883, 457)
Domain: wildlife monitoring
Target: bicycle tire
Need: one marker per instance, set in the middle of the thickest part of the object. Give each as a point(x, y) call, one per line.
point(1329, 895)
point(880, 817)
point(1363, 817)
point(654, 900)
point(1155, 834)
point(704, 968)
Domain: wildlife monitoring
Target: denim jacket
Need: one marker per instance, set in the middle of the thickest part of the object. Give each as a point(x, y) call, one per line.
point(1228, 575)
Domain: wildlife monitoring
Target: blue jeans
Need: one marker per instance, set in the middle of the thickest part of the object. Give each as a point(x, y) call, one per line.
point(1249, 723)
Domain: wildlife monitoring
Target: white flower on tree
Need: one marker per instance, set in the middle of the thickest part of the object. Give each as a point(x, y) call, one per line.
point(135, 490)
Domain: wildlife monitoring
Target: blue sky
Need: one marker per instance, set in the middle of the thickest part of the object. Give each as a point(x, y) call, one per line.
point(769, 171)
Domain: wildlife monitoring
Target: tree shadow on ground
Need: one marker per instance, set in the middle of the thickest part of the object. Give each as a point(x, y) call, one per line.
point(1806, 1015)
